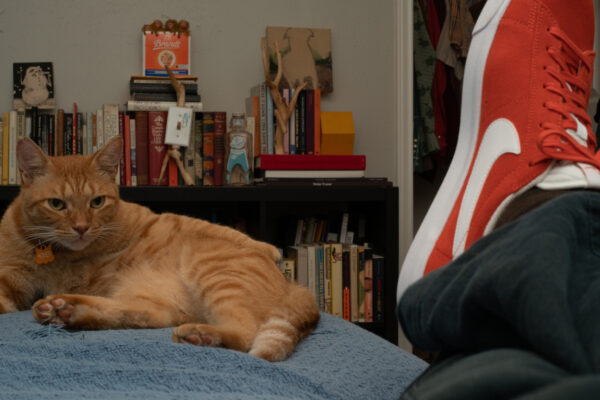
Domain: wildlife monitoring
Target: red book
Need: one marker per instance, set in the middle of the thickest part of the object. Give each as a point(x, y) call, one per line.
point(220, 118)
point(208, 149)
point(317, 122)
point(157, 150)
point(141, 147)
point(311, 161)
point(127, 151)
point(75, 133)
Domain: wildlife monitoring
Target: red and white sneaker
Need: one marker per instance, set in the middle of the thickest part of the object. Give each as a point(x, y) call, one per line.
point(523, 123)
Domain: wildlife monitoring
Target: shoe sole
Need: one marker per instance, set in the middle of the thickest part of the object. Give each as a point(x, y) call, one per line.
point(428, 233)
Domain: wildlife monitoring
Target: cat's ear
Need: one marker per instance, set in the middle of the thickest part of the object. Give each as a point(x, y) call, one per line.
point(108, 157)
point(31, 160)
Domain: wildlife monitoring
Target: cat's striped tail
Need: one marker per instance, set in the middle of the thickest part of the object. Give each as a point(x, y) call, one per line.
point(278, 336)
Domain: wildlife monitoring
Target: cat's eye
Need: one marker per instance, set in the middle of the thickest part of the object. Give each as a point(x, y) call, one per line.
point(56, 204)
point(97, 202)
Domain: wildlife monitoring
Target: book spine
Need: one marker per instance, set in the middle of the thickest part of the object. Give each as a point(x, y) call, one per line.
point(43, 128)
point(133, 147)
point(292, 127)
point(51, 134)
point(346, 294)
point(220, 119)
point(310, 121)
point(157, 123)
point(378, 273)
point(127, 150)
point(191, 98)
point(368, 285)
point(89, 133)
point(68, 134)
point(198, 135)
point(188, 154)
point(208, 149)
point(74, 132)
point(336, 280)
point(135, 105)
point(141, 87)
point(12, 152)
point(80, 133)
point(301, 135)
point(141, 145)
point(321, 277)
point(327, 275)
point(100, 127)
point(354, 283)
point(317, 121)
point(5, 136)
point(270, 123)
point(122, 179)
point(361, 284)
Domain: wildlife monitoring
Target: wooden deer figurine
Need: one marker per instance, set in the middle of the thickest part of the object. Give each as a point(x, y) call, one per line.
point(173, 150)
point(282, 109)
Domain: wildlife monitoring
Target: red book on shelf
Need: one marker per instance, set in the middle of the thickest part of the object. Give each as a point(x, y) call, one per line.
point(157, 124)
point(220, 129)
point(311, 161)
point(141, 147)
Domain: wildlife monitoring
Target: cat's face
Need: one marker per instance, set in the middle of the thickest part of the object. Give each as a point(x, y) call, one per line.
point(71, 201)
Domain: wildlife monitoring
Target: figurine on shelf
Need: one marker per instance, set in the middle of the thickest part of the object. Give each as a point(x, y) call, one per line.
point(238, 152)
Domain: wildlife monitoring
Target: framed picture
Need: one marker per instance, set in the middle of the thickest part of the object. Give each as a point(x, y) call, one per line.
point(306, 56)
point(33, 85)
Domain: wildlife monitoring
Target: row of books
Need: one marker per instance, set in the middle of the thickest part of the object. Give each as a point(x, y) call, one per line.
point(64, 133)
point(346, 279)
point(304, 125)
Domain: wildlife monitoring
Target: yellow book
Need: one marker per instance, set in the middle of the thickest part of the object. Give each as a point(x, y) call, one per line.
point(5, 149)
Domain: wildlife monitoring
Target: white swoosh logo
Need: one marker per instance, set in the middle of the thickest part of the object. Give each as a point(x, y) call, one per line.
point(501, 137)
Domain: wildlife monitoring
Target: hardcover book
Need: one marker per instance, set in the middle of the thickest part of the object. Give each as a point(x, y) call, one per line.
point(308, 162)
point(208, 149)
point(157, 123)
point(220, 120)
point(141, 145)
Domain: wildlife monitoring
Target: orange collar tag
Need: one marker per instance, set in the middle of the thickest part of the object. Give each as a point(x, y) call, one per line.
point(44, 254)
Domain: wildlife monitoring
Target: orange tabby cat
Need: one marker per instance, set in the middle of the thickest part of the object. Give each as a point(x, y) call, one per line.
point(109, 264)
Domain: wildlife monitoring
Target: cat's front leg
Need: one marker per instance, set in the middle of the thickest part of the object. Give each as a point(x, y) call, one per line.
point(95, 313)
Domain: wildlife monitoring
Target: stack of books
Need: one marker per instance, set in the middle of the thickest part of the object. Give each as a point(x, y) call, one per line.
point(314, 169)
point(155, 93)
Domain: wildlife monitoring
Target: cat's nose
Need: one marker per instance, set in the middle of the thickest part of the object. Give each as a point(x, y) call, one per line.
point(81, 228)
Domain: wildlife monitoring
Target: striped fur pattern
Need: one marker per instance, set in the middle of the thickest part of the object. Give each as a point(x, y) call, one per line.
point(118, 265)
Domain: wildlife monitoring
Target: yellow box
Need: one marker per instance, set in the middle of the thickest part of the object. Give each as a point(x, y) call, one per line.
point(337, 132)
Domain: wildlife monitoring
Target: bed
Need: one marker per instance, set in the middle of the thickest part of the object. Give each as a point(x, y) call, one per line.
point(339, 360)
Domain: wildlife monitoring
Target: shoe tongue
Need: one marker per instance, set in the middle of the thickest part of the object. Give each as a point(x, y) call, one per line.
point(570, 175)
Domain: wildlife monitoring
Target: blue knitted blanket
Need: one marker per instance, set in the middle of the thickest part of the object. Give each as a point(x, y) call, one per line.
point(337, 361)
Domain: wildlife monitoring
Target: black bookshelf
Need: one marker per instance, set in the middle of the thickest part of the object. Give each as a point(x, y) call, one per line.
point(270, 213)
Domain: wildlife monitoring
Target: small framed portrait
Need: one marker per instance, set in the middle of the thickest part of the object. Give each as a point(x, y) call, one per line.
point(33, 85)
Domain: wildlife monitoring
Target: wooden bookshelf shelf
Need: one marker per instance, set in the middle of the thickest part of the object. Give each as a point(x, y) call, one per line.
point(270, 213)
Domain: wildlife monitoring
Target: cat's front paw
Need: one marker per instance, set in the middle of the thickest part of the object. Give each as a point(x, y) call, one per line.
point(53, 310)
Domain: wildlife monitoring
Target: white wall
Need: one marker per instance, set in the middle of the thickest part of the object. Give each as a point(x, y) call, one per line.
point(96, 45)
